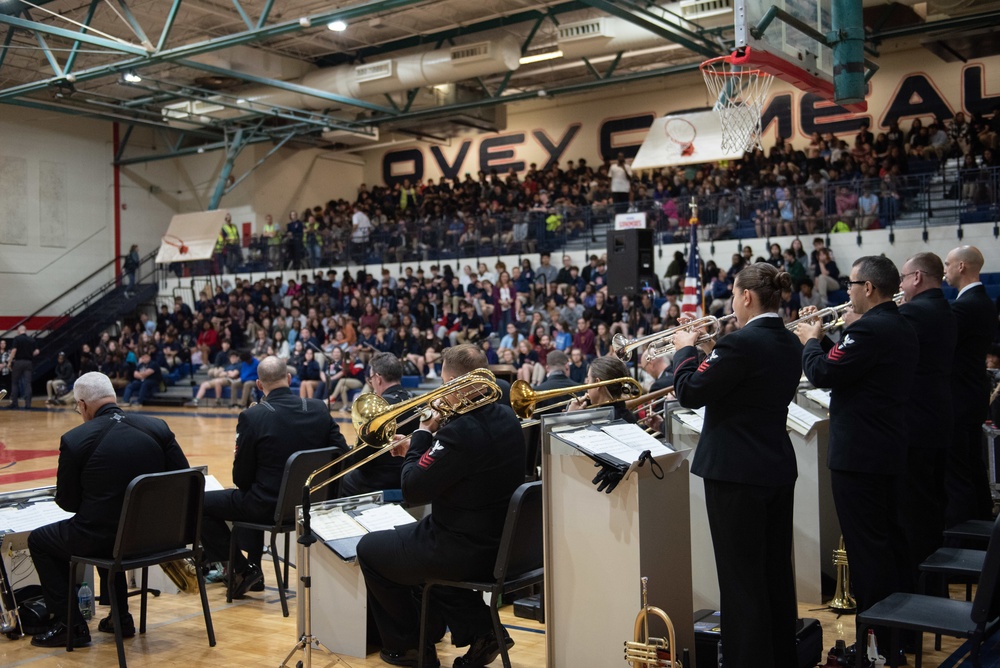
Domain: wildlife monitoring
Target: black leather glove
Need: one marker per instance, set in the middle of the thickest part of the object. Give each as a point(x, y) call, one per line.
point(608, 477)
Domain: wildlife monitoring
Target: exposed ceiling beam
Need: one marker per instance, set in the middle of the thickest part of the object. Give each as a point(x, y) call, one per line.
point(44, 28)
point(658, 25)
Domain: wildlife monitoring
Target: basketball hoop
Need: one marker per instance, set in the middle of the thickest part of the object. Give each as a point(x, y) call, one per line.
point(176, 242)
point(740, 92)
point(682, 132)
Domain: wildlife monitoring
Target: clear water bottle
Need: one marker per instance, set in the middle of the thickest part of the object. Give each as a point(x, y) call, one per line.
point(85, 601)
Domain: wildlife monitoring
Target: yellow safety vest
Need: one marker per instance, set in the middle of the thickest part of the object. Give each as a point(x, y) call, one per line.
point(219, 243)
point(272, 229)
point(232, 233)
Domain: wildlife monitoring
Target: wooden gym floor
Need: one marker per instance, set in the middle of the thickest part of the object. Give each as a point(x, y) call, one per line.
point(250, 632)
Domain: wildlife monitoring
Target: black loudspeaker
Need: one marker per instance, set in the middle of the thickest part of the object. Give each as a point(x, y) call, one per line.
point(630, 261)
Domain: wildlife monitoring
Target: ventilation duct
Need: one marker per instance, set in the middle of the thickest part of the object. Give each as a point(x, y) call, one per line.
point(428, 68)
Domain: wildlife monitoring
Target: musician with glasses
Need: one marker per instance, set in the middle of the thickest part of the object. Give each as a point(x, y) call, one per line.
point(385, 371)
point(467, 470)
point(97, 462)
point(920, 492)
point(746, 459)
point(869, 373)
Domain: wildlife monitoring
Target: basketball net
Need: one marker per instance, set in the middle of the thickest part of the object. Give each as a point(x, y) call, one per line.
point(176, 242)
point(740, 94)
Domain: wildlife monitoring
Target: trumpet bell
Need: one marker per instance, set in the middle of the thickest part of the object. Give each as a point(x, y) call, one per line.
point(366, 408)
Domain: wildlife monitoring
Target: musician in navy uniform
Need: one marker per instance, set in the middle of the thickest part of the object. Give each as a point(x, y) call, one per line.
point(267, 434)
point(920, 491)
point(467, 470)
point(601, 369)
point(966, 478)
point(384, 374)
point(746, 458)
point(97, 461)
point(869, 373)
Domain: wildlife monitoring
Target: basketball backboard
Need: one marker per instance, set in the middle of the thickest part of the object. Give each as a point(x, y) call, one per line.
point(683, 139)
point(788, 39)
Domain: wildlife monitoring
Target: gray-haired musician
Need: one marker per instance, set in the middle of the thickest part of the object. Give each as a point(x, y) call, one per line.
point(97, 461)
point(467, 470)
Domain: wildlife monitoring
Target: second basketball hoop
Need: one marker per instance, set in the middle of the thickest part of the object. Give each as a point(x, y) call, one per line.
point(740, 93)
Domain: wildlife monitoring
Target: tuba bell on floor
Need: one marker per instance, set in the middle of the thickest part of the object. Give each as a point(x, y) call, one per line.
point(843, 599)
point(647, 651)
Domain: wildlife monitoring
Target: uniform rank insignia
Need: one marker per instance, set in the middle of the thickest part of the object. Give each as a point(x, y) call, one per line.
point(708, 360)
point(837, 352)
point(431, 455)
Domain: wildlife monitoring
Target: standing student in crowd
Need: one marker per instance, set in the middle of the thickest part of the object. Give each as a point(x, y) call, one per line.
point(746, 458)
point(867, 372)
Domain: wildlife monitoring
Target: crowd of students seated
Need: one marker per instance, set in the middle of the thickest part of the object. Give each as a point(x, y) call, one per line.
point(829, 184)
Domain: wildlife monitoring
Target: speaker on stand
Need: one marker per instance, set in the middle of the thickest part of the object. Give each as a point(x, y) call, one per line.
point(630, 262)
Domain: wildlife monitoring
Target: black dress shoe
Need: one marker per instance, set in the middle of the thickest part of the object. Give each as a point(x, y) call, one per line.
point(56, 636)
point(107, 625)
point(410, 658)
point(247, 579)
point(483, 651)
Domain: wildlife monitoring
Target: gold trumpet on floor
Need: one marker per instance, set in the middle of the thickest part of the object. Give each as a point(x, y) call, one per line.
point(523, 398)
point(843, 599)
point(644, 650)
point(375, 419)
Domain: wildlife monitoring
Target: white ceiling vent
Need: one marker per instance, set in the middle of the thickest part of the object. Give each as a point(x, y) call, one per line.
point(588, 29)
point(470, 52)
point(373, 71)
point(700, 9)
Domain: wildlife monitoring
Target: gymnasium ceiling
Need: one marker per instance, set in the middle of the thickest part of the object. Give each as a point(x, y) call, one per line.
point(207, 66)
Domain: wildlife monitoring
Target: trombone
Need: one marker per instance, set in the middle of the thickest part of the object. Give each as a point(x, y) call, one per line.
point(661, 343)
point(523, 398)
point(375, 419)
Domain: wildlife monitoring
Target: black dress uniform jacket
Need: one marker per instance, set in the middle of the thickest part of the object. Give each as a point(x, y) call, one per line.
point(94, 471)
point(383, 472)
point(467, 471)
point(870, 373)
point(976, 319)
point(267, 435)
point(929, 409)
point(746, 382)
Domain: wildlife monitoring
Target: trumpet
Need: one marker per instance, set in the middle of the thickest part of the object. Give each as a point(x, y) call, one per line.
point(833, 315)
point(523, 398)
point(643, 650)
point(661, 343)
point(375, 419)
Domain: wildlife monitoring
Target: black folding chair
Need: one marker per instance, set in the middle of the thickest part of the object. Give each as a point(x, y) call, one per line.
point(160, 522)
point(976, 619)
point(518, 566)
point(297, 469)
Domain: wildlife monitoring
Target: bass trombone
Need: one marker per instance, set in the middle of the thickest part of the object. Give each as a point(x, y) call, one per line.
point(523, 398)
point(375, 419)
point(661, 343)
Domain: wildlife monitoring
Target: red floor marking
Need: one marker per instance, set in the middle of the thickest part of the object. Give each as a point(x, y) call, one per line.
point(26, 476)
point(8, 455)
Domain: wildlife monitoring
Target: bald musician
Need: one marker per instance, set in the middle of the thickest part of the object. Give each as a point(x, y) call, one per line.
point(966, 479)
point(920, 486)
point(868, 373)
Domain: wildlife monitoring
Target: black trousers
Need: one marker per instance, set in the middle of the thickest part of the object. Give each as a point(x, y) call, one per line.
point(51, 547)
point(20, 379)
point(395, 566)
point(752, 537)
point(967, 482)
point(920, 501)
point(876, 546)
point(229, 504)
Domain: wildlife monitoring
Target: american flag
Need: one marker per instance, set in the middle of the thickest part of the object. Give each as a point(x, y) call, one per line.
point(692, 282)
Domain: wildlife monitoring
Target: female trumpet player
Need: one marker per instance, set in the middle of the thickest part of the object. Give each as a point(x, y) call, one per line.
point(605, 368)
point(746, 458)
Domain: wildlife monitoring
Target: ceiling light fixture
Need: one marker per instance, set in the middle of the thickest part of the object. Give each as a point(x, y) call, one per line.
point(540, 57)
point(337, 26)
point(132, 77)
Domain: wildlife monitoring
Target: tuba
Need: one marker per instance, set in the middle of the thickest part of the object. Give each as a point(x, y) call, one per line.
point(182, 573)
point(643, 650)
point(375, 419)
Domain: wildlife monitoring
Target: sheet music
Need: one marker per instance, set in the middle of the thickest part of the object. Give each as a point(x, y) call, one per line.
point(636, 438)
point(692, 420)
point(334, 524)
point(821, 397)
point(212, 484)
point(27, 516)
point(384, 517)
point(595, 441)
point(800, 420)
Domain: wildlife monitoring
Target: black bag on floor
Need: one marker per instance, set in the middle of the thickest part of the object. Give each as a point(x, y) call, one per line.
point(708, 633)
point(31, 610)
